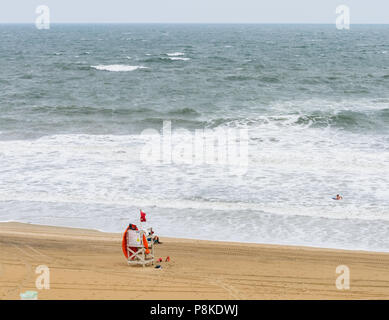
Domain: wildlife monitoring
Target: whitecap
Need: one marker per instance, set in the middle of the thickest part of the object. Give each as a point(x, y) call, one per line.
point(175, 54)
point(179, 58)
point(117, 67)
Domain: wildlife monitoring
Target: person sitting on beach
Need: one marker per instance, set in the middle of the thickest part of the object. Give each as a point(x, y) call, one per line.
point(155, 238)
point(338, 197)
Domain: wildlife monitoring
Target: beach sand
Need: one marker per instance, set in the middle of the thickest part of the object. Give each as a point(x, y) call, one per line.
point(87, 264)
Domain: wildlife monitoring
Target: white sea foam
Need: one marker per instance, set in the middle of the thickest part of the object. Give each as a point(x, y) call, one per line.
point(337, 212)
point(98, 181)
point(309, 172)
point(117, 67)
point(179, 58)
point(175, 54)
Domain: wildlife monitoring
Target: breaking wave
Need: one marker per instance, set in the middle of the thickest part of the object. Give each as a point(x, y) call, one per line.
point(117, 68)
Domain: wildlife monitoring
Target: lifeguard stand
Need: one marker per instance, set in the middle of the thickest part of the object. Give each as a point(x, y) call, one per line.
point(140, 247)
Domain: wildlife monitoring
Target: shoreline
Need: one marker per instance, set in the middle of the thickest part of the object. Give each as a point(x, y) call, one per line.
point(209, 240)
point(89, 264)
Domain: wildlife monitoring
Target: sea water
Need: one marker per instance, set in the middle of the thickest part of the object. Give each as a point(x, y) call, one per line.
point(75, 99)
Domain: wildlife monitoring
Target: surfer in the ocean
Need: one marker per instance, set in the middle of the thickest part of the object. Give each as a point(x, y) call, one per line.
point(338, 197)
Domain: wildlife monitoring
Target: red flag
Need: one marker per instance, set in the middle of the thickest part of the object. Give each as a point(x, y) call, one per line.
point(142, 216)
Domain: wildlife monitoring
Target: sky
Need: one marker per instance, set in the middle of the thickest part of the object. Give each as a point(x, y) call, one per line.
point(194, 11)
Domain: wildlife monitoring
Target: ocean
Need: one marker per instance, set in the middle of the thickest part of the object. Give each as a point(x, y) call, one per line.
point(75, 101)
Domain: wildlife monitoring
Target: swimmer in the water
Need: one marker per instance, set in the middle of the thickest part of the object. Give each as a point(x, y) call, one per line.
point(338, 197)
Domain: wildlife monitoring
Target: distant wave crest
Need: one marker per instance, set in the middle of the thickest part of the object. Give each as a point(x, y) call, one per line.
point(175, 54)
point(118, 67)
point(179, 58)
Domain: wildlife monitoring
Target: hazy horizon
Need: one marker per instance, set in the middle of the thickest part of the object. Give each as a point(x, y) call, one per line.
point(200, 11)
point(221, 23)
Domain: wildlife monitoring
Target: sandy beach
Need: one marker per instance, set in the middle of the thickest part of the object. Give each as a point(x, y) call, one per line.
point(87, 264)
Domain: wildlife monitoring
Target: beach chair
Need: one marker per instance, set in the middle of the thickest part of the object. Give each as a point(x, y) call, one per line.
point(140, 247)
